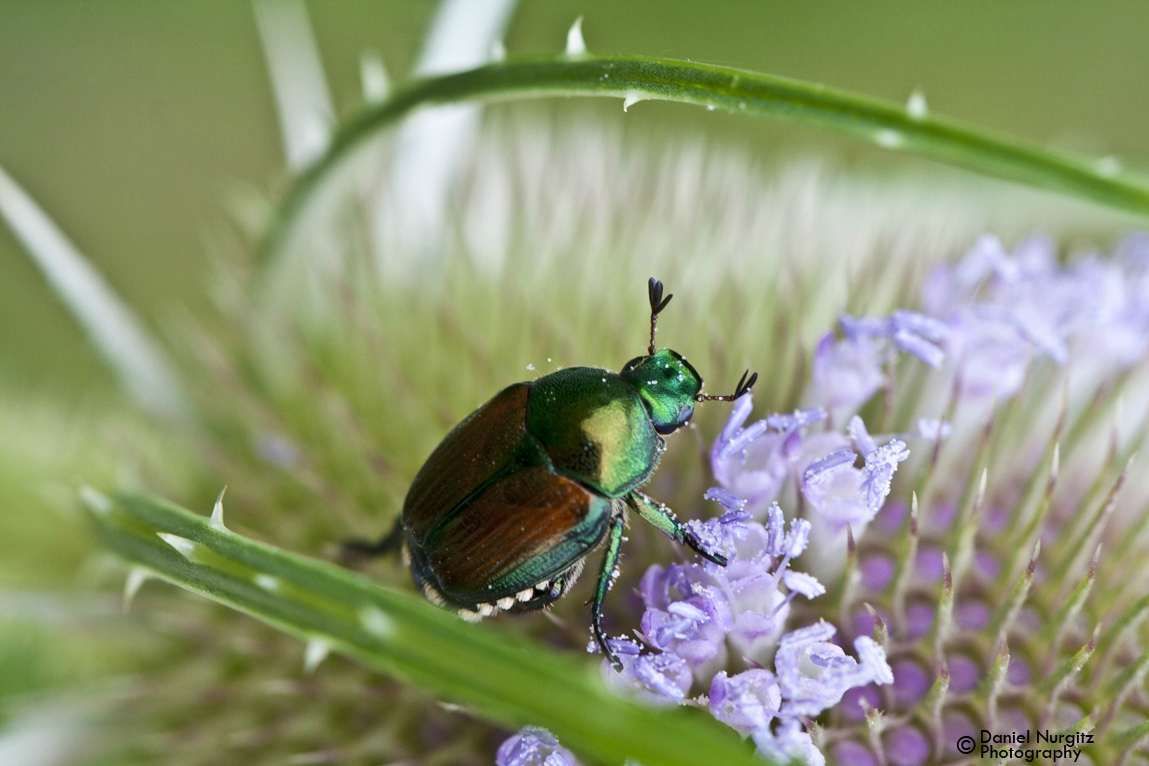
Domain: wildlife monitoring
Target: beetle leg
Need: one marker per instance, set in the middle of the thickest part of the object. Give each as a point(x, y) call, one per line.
point(662, 518)
point(605, 580)
point(356, 548)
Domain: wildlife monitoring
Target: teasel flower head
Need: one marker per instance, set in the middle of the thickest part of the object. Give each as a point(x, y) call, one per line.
point(992, 584)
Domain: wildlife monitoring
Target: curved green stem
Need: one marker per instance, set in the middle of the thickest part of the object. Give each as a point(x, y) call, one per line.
point(733, 90)
point(505, 678)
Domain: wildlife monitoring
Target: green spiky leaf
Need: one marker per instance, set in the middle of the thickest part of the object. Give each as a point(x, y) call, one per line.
point(634, 79)
point(502, 677)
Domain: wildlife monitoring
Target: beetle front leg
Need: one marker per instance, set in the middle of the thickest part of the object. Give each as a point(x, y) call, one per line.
point(662, 518)
point(605, 578)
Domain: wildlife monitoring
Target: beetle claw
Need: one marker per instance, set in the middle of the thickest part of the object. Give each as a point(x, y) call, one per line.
point(696, 546)
point(604, 646)
point(717, 558)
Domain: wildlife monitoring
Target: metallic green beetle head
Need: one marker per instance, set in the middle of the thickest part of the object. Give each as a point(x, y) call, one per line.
point(667, 385)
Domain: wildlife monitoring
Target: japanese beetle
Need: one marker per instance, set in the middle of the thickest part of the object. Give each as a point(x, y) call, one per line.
point(505, 510)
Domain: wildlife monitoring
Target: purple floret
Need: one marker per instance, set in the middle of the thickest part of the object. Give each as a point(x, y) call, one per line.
point(533, 746)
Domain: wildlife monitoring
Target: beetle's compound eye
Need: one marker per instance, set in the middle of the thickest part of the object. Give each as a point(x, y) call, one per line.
point(667, 385)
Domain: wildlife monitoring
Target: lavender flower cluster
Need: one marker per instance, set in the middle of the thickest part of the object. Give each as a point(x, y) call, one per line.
point(699, 614)
point(988, 318)
point(755, 461)
point(1002, 311)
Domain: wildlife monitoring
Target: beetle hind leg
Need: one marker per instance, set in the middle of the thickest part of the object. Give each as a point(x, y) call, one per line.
point(357, 549)
point(606, 578)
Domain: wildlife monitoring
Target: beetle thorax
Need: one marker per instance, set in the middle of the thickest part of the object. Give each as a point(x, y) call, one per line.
point(667, 385)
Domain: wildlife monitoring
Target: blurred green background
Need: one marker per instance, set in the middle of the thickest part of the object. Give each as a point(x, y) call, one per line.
point(128, 121)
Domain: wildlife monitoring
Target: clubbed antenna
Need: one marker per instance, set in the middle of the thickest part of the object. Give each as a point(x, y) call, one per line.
point(657, 304)
point(744, 386)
